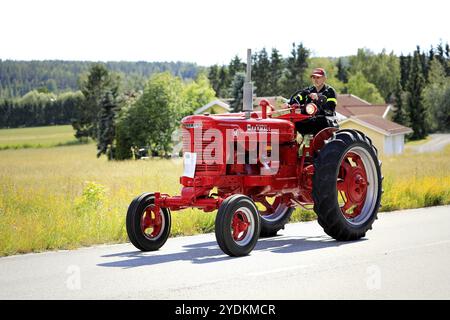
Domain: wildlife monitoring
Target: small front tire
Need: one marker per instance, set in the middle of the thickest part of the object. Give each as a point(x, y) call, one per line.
point(146, 229)
point(237, 225)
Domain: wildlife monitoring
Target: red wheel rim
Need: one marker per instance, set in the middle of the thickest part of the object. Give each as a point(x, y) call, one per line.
point(239, 225)
point(352, 185)
point(270, 208)
point(152, 223)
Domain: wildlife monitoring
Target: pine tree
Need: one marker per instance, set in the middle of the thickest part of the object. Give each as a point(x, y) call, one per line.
point(342, 73)
point(405, 64)
point(424, 63)
point(224, 83)
point(237, 92)
point(213, 76)
point(276, 73)
point(235, 66)
point(296, 66)
point(416, 110)
point(447, 60)
point(400, 116)
point(99, 81)
point(106, 124)
point(261, 72)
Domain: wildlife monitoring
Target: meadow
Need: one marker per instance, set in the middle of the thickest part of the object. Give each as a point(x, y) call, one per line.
point(64, 197)
point(37, 137)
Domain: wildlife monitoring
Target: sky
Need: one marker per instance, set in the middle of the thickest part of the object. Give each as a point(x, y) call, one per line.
point(214, 31)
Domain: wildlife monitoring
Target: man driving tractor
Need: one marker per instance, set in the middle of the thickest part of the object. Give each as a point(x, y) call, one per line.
point(324, 97)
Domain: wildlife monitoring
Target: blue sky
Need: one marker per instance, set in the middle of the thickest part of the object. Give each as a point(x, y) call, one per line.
point(208, 32)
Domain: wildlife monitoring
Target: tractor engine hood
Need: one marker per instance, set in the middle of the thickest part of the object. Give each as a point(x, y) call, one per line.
point(239, 123)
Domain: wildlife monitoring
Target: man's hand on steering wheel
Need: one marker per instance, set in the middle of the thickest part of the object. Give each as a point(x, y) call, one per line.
point(296, 97)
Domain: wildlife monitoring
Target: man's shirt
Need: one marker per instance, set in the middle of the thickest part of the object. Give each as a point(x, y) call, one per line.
point(326, 99)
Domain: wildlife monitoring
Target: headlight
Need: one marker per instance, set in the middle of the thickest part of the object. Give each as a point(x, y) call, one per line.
point(311, 108)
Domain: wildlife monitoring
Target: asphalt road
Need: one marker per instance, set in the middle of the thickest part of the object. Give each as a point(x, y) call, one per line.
point(437, 142)
point(405, 256)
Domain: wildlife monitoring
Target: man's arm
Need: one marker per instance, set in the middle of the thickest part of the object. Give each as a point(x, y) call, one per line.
point(330, 105)
point(300, 96)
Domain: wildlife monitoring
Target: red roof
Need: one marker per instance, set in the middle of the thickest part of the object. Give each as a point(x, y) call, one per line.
point(349, 105)
point(350, 100)
point(349, 111)
point(379, 123)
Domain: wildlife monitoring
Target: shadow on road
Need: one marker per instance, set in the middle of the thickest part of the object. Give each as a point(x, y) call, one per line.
point(207, 252)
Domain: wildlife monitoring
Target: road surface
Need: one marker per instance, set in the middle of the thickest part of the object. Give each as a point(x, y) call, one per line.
point(405, 256)
point(437, 142)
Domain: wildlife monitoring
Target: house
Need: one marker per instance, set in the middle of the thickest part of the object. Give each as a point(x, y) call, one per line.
point(350, 105)
point(353, 112)
point(214, 107)
point(387, 136)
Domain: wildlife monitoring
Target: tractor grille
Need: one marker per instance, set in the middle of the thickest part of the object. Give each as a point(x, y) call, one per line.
point(189, 145)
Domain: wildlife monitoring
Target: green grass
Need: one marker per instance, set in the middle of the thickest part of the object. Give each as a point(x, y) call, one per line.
point(64, 197)
point(417, 142)
point(37, 137)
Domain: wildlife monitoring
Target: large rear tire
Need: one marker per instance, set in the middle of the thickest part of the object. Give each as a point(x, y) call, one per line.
point(237, 225)
point(347, 185)
point(147, 230)
point(275, 216)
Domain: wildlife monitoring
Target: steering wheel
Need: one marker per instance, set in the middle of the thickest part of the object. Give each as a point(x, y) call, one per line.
point(294, 98)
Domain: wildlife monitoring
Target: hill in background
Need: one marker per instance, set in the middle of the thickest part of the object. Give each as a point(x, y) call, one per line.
point(19, 77)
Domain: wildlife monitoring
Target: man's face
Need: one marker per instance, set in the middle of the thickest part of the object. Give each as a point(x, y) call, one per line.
point(318, 81)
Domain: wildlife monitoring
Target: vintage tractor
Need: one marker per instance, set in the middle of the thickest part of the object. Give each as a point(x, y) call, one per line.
point(252, 168)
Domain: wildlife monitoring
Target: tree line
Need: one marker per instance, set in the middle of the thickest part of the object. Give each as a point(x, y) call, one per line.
point(40, 108)
point(17, 78)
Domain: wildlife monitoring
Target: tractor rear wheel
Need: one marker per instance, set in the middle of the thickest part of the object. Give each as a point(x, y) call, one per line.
point(274, 217)
point(347, 185)
point(147, 229)
point(237, 225)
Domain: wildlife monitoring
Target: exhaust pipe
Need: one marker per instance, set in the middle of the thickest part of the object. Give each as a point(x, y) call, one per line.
point(248, 87)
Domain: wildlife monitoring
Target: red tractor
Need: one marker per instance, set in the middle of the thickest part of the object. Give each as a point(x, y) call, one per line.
point(251, 167)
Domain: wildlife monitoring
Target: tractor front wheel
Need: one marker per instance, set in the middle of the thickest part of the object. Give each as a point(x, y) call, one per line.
point(237, 225)
point(147, 228)
point(347, 185)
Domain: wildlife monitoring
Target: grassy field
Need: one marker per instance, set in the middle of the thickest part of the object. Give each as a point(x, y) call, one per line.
point(64, 197)
point(38, 137)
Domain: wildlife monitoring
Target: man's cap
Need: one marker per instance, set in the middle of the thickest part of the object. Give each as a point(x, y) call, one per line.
point(319, 72)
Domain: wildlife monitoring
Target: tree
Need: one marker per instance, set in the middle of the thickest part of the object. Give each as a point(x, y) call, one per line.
point(213, 76)
point(359, 86)
point(261, 73)
point(235, 66)
point(405, 64)
point(342, 73)
point(224, 80)
point(106, 124)
point(416, 110)
point(296, 65)
point(276, 73)
point(151, 120)
point(380, 69)
point(400, 115)
point(196, 94)
point(436, 96)
point(237, 92)
point(99, 82)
